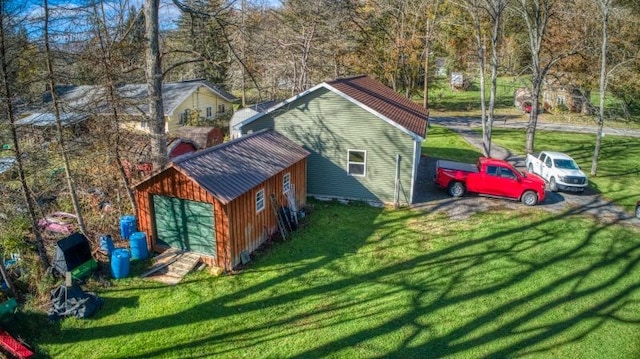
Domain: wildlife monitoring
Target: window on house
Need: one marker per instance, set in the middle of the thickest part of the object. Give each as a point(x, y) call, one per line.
point(184, 117)
point(286, 182)
point(259, 200)
point(221, 108)
point(144, 124)
point(209, 112)
point(357, 162)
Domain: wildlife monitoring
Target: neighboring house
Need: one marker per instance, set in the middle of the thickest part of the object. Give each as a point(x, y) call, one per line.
point(365, 139)
point(216, 202)
point(245, 113)
point(138, 153)
point(554, 96)
point(184, 102)
point(202, 136)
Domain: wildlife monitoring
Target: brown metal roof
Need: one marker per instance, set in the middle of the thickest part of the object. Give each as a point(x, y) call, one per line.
point(232, 168)
point(385, 101)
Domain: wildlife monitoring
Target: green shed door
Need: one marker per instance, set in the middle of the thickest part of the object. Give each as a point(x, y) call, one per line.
point(185, 224)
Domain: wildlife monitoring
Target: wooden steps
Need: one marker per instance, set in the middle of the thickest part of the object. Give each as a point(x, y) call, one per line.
point(172, 265)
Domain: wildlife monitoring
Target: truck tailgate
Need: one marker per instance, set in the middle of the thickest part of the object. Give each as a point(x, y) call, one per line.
point(456, 166)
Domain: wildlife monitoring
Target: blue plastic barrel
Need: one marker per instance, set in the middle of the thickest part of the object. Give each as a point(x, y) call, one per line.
point(120, 263)
point(127, 226)
point(106, 243)
point(138, 244)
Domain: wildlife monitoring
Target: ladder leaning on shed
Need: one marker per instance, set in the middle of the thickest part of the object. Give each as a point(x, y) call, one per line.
point(282, 224)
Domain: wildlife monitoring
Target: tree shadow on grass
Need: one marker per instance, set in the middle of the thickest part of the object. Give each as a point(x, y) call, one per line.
point(505, 291)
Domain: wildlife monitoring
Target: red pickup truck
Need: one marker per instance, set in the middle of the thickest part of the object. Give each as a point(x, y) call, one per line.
point(489, 177)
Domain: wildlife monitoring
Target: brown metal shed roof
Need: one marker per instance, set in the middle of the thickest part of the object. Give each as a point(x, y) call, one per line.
point(385, 101)
point(231, 169)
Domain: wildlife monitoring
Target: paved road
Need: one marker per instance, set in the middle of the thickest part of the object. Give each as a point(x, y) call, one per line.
point(517, 122)
point(589, 203)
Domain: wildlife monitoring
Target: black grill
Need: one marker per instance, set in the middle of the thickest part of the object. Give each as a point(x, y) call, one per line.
point(575, 180)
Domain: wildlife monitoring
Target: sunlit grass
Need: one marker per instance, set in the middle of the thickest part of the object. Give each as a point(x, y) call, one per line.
point(443, 143)
point(361, 282)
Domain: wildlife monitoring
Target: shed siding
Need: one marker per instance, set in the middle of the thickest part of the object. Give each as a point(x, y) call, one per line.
point(237, 225)
point(249, 229)
point(328, 125)
point(175, 184)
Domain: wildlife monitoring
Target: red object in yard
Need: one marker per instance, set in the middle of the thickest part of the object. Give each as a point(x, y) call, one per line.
point(490, 177)
point(14, 346)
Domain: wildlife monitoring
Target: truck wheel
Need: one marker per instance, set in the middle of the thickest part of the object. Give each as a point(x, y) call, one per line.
point(553, 186)
point(529, 198)
point(457, 189)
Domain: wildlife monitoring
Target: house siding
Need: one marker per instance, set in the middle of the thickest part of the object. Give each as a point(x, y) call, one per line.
point(328, 125)
point(199, 100)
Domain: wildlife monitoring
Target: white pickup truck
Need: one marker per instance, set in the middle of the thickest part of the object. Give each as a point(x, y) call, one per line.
point(557, 168)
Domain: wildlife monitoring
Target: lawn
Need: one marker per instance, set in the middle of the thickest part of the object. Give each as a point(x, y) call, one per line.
point(444, 143)
point(362, 282)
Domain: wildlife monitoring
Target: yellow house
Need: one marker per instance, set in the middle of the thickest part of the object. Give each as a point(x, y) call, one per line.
point(185, 103)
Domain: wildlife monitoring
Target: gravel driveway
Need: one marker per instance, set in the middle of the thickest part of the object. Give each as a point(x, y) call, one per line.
point(429, 197)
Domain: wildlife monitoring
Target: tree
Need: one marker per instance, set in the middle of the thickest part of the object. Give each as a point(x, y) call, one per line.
point(537, 16)
point(9, 55)
point(153, 72)
point(59, 126)
point(478, 10)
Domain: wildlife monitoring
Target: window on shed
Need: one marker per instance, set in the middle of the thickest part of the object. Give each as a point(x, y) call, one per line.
point(209, 112)
point(286, 182)
point(259, 200)
point(357, 162)
point(221, 108)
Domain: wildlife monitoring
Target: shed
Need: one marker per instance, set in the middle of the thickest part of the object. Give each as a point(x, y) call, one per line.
point(216, 202)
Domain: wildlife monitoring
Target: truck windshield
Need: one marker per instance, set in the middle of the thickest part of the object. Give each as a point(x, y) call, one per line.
point(566, 164)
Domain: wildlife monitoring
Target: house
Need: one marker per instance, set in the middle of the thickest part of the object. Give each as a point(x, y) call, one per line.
point(138, 152)
point(365, 139)
point(217, 202)
point(202, 136)
point(245, 113)
point(184, 103)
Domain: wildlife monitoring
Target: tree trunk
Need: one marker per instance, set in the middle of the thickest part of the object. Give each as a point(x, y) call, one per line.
point(603, 84)
point(153, 72)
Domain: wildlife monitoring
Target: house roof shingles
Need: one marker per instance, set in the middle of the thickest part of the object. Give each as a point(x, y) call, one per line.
point(385, 101)
point(231, 169)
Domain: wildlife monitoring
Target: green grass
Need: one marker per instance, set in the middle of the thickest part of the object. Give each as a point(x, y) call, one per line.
point(362, 282)
point(445, 144)
point(618, 175)
point(443, 98)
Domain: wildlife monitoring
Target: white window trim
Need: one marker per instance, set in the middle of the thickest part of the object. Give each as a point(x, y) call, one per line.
point(364, 174)
point(258, 210)
point(286, 180)
point(209, 112)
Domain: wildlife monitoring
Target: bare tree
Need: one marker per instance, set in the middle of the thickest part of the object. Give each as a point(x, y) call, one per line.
point(494, 9)
point(604, 8)
point(7, 61)
point(59, 125)
point(153, 73)
point(537, 16)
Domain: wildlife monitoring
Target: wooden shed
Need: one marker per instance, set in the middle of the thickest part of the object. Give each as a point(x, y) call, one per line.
point(216, 202)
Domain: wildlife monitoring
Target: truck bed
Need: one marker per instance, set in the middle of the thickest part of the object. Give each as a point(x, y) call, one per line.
point(457, 166)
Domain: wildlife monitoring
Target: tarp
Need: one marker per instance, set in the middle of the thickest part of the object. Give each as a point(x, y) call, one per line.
point(71, 252)
point(73, 301)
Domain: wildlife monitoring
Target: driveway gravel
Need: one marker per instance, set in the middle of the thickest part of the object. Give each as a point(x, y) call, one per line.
point(589, 203)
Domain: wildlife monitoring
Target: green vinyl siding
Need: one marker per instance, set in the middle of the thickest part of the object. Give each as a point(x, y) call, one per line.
point(185, 224)
point(329, 125)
